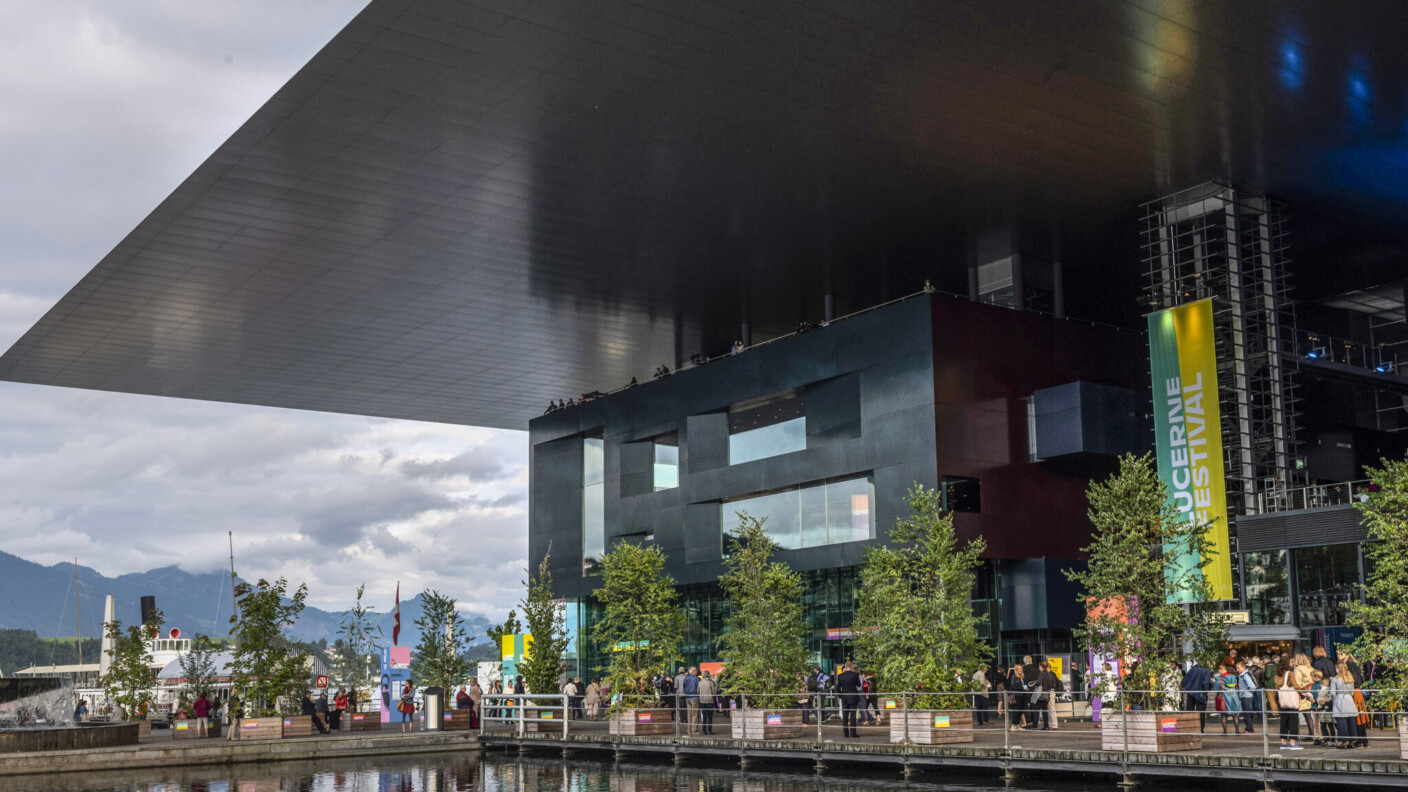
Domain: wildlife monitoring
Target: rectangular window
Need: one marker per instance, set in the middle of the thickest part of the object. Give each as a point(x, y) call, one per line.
point(667, 461)
point(1326, 578)
point(960, 494)
point(831, 512)
point(593, 503)
point(766, 427)
point(1267, 584)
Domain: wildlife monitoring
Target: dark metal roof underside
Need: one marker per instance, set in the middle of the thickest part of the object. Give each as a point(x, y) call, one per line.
point(458, 210)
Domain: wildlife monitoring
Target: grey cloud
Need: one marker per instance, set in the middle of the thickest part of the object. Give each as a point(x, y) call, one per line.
point(478, 464)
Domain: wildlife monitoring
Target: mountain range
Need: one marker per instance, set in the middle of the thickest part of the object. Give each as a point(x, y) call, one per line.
point(40, 598)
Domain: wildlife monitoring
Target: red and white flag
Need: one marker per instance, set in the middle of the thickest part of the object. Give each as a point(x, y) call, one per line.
point(396, 622)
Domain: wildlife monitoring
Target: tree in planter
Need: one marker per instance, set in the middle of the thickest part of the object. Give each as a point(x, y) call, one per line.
point(915, 624)
point(361, 640)
point(129, 680)
point(641, 625)
point(267, 666)
point(1137, 580)
point(438, 660)
point(1384, 612)
point(764, 642)
point(198, 667)
point(545, 619)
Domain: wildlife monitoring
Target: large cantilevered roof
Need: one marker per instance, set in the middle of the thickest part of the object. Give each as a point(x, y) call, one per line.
point(458, 210)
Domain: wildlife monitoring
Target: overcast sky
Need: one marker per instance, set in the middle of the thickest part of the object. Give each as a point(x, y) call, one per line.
point(105, 107)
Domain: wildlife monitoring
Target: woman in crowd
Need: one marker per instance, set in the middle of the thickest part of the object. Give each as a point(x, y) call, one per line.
point(593, 699)
point(1346, 714)
point(1288, 702)
point(1226, 681)
point(1017, 695)
point(407, 707)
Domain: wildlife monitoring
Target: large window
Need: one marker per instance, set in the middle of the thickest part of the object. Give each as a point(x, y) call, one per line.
point(961, 494)
point(1266, 580)
point(819, 514)
point(667, 461)
point(593, 504)
point(766, 427)
point(1326, 578)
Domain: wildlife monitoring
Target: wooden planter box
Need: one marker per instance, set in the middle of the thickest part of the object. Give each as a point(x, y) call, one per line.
point(457, 720)
point(298, 725)
point(642, 722)
point(261, 729)
point(360, 721)
point(766, 724)
point(1403, 738)
point(553, 722)
point(931, 727)
point(186, 729)
point(144, 730)
point(1150, 731)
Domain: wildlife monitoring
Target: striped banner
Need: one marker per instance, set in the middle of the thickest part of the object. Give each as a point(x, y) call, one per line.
point(1188, 428)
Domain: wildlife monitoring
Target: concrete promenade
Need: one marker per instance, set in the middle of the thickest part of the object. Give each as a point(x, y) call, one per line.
point(1075, 748)
point(163, 751)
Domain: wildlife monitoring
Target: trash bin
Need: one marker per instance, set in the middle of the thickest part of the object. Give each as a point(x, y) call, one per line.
point(434, 708)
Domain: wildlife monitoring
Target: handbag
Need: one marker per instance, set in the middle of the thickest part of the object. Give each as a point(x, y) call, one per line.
point(1221, 704)
point(1287, 696)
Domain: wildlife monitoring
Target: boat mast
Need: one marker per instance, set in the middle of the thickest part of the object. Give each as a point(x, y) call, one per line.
point(77, 612)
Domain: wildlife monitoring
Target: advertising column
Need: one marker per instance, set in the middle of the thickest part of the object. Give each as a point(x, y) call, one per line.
point(1188, 428)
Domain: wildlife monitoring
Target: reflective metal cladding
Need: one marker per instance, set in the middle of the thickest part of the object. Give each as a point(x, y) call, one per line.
point(457, 211)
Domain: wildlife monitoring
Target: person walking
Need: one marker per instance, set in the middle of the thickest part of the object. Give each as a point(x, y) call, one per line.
point(708, 691)
point(201, 709)
point(848, 685)
point(690, 689)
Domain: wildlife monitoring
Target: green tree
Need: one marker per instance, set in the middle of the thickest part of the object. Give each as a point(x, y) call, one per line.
point(1135, 582)
point(198, 667)
point(641, 625)
point(915, 624)
point(438, 660)
point(268, 666)
point(360, 642)
point(545, 619)
point(130, 678)
point(1384, 612)
point(764, 642)
point(510, 627)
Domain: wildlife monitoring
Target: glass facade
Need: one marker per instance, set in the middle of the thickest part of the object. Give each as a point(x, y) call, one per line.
point(766, 427)
point(1326, 578)
point(593, 503)
point(811, 516)
point(667, 461)
point(1266, 581)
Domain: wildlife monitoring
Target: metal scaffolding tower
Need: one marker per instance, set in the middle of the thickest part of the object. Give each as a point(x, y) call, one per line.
point(1219, 241)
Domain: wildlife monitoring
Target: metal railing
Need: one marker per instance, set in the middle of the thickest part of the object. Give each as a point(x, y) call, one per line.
point(1315, 496)
point(1131, 724)
point(1321, 347)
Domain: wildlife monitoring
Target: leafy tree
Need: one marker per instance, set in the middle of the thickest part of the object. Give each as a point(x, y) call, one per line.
point(1136, 581)
point(510, 627)
point(545, 619)
point(764, 642)
point(438, 660)
point(130, 678)
point(359, 643)
point(268, 666)
point(198, 666)
point(1384, 613)
point(641, 625)
point(916, 627)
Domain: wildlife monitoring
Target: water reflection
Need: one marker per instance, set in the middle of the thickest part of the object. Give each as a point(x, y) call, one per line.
point(471, 773)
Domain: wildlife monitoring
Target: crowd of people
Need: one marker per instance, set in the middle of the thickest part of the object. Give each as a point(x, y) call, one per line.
point(1327, 696)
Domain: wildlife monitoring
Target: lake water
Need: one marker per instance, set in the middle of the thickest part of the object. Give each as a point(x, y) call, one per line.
point(509, 773)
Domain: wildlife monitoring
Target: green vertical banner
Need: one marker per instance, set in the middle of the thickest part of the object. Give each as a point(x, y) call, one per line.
point(1188, 427)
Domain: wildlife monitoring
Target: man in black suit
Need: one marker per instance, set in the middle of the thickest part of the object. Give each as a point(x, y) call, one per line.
point(848, 684)
point(1197, 681)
